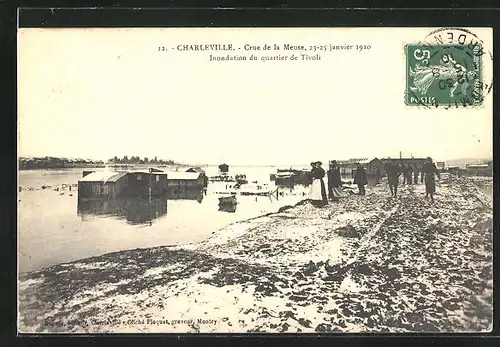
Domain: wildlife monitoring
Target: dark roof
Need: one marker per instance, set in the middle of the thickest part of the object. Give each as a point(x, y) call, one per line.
point(103, 176)
point(401, 159)
point(195, 169)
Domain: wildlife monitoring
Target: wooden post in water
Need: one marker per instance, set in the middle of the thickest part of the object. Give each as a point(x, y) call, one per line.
point(150, 171)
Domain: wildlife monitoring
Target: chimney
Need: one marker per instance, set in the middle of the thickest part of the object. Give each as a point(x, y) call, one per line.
point(400, 155)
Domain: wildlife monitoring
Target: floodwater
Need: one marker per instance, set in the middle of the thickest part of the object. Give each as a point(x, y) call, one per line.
point(54, 228)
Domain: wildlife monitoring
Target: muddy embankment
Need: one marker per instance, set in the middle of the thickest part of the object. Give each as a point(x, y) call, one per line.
point(362, 264)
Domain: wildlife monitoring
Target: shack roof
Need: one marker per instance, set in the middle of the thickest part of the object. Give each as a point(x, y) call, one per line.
point(146, 171)
point(355, 161)
point(195, 169)
point(103, 176)
point(477, 166)
point(401, 159)
point(182, 175)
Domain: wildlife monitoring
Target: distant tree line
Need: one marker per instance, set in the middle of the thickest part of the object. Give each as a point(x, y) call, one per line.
point(138, 160)
point(55, 163)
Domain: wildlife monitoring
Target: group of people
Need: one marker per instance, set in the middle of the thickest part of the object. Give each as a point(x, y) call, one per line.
point(393, 171)
point(428, 172)
point(319, 195)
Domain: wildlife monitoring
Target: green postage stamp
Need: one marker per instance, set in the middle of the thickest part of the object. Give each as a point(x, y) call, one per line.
point(444, 75)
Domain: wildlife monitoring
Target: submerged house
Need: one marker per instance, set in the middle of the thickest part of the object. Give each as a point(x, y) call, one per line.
point(201, 172)
point(140, 181)
point(179, 182)
point(102, 184)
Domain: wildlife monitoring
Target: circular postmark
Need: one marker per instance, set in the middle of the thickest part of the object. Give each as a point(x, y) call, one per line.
point(449, 68)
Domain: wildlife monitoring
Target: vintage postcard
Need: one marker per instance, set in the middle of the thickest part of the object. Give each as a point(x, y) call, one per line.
point(238, 180)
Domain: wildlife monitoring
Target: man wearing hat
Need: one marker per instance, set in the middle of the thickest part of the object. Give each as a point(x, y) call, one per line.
point(360, 179)
point(393, 171)
point(334, 181)
point(429, 171)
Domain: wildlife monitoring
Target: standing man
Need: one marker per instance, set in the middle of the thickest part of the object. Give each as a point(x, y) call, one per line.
point(409, 174)
point(377, 176)
point(334, 181)
point(430, 171)
point(360, 179)
point(403, 171)
point(415, 174)
point(393, 172)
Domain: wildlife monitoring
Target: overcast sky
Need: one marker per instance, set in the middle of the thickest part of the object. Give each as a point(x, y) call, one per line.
point(97, 93)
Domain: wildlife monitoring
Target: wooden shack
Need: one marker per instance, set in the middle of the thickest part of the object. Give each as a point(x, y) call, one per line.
point(140, 181)
point(371, 165)
point(102, 184)
point(201, 172)
point(479, 170)
point(179, 182)
point(223, 168)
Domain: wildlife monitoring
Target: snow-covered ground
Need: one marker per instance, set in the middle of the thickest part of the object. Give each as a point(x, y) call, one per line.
point(364, 264)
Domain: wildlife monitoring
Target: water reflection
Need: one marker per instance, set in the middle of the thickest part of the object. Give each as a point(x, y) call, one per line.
point(49, 216)
point(188, 194)
point(227, 208)
point(134, 210)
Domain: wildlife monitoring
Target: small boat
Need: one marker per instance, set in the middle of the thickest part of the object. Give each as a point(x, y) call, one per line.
point(284, 178)
point(228, 200)
point(241, 179)
point(228, 203)
point(292, 176)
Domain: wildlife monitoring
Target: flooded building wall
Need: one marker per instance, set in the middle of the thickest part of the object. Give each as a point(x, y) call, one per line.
point(92, 189)
point(139, 183)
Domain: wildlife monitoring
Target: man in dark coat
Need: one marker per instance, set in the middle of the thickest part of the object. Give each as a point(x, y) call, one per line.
point(393, 172)
point(409, 174)
point(377, 176)
point(415, 175)
point(403, 171)
point(360, 179)
point(334, 179)
point(430, 171)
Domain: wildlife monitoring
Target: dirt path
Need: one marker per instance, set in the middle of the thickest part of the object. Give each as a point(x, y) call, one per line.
point(371, 263)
